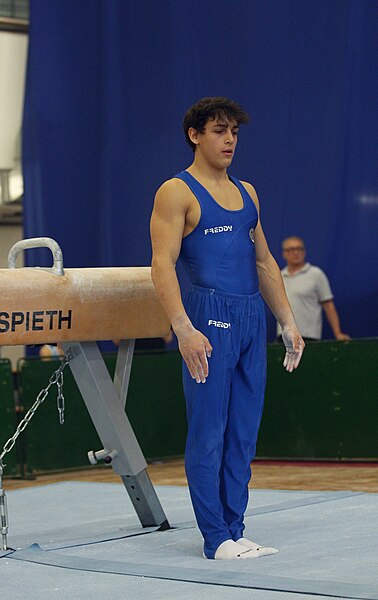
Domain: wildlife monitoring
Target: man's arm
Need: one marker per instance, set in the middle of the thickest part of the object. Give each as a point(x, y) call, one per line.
point(334, 321)
point(167, 227)
point(274, 294)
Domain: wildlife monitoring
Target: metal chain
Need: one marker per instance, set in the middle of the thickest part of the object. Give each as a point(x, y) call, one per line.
point(56, 378)
point(60, 398)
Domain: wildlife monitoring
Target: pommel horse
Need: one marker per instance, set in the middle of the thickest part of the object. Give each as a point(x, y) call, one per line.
point(77, 308)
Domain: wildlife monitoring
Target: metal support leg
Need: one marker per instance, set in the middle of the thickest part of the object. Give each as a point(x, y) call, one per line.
point(114, 429)
point(123, 369)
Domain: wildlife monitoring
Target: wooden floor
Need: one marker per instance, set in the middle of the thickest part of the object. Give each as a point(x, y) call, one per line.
point(362, 477)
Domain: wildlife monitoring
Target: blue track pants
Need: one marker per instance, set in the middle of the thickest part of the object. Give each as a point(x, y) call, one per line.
point(224, 414)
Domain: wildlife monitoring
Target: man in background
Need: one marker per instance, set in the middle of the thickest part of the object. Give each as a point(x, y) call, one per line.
point(308, 291)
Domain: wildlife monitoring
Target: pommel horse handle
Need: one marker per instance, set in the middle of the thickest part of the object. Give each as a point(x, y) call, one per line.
point(43, 242)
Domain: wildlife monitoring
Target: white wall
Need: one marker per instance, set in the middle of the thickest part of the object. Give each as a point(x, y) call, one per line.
point(13, 55)
point(9, 235)
point(13, 52)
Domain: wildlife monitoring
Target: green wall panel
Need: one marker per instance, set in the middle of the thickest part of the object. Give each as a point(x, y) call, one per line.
point(156, 406)
point(327, 408)
point(49, 445)
point(8, 423)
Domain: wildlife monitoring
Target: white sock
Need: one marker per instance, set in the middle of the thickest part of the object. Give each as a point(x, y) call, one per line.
point(261, 550)
point(230, 550)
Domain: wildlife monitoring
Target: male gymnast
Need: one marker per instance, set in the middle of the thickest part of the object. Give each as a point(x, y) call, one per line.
point(211, 221)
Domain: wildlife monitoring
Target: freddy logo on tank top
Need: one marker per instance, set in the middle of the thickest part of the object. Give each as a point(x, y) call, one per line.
point(219, 229)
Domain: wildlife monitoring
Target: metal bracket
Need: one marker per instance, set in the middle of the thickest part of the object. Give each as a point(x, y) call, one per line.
point(104, 454)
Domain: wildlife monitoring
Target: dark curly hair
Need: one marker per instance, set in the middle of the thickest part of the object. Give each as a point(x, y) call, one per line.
point(208, 109)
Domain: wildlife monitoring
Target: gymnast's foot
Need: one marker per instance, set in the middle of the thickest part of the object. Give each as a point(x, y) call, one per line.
point(261, 550)
point(230, 550)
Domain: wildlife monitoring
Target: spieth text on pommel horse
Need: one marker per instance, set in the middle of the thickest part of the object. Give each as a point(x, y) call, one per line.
point(38, 320)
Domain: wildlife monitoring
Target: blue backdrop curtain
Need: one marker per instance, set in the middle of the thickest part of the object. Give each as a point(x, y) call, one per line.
point(108, 83)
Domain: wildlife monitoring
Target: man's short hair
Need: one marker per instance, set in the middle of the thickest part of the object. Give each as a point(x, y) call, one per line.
point(292, 237)
point(209, 109)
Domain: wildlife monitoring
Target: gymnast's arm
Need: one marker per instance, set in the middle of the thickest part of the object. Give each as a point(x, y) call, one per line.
point(274, 294)
point(167, 227)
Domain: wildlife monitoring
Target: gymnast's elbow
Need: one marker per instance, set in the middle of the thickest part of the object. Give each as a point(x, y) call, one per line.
point(162, 268)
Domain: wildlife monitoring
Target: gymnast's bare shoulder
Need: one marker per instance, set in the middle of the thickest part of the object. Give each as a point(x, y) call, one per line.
point(175, 208)
point(174, 191)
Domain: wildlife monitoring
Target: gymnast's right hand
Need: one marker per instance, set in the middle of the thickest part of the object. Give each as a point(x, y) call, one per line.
point(195, 349)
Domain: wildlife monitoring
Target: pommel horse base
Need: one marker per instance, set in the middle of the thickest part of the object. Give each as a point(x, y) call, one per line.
point(77, 308)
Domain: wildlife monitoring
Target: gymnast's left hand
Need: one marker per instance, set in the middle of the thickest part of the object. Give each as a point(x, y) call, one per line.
point(294, 345)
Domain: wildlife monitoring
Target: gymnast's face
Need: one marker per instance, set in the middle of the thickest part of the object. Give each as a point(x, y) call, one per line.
point(218, 141)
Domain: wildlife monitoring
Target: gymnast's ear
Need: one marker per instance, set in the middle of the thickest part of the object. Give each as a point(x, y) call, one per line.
point(193, 135)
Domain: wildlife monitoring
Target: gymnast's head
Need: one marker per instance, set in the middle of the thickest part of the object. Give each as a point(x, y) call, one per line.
point(217, 109)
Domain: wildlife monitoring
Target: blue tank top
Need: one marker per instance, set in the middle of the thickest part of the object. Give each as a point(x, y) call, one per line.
point(220, 252)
